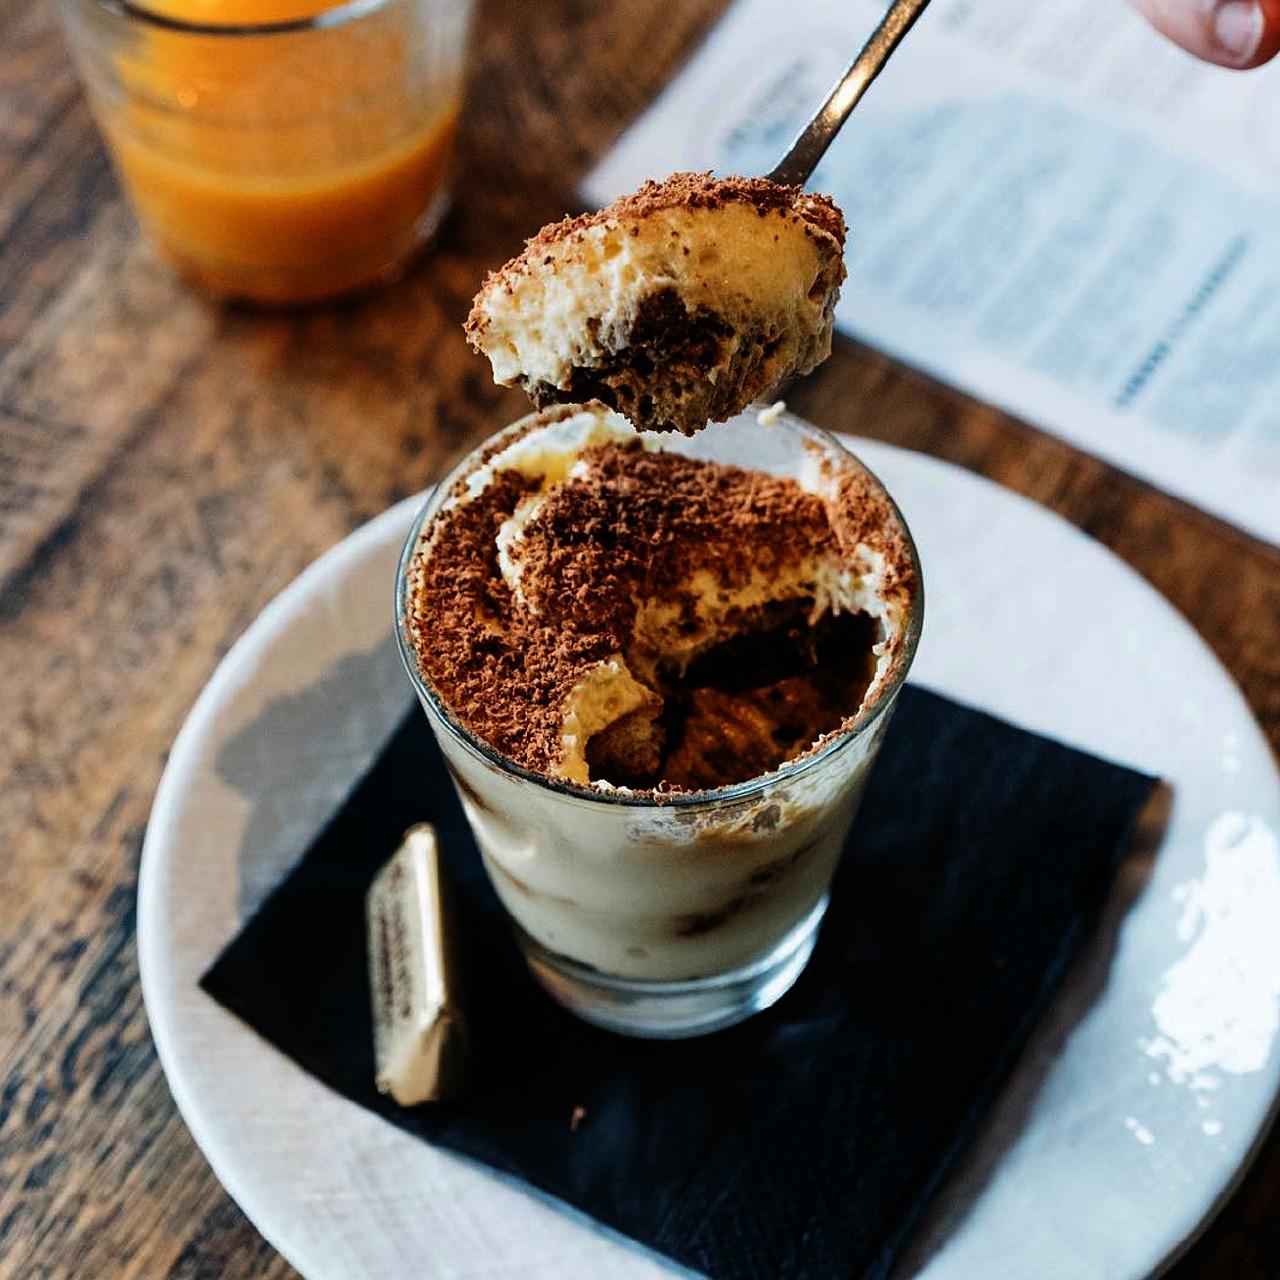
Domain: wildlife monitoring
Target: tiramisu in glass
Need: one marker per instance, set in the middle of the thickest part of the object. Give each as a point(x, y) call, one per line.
point(659, 667)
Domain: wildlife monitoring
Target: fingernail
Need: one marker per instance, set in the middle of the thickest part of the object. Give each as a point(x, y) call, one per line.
point(1237, 28)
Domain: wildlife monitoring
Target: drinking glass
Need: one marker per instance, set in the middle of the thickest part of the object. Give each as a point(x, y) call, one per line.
point(282, 160)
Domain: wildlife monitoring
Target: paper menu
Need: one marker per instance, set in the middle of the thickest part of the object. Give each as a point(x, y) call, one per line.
point(1050, 207)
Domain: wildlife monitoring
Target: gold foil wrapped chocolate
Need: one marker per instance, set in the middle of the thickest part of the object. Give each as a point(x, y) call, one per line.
point(420, 1041)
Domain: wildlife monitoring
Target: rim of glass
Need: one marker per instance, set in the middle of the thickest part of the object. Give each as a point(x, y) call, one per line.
point(675, 800)
point(338, 16)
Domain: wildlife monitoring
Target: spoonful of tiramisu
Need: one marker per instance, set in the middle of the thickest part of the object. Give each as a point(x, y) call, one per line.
point(689, 299)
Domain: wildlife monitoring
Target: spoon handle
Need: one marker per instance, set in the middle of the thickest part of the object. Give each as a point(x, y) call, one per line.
point(796, 167)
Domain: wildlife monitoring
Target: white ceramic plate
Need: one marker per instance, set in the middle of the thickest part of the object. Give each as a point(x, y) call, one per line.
point(1130, 1116)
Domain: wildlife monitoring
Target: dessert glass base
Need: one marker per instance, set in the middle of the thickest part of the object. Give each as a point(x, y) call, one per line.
point(674, 1010)
point(340, 276)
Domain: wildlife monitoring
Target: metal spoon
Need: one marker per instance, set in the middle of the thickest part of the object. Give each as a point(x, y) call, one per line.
point(797, 166)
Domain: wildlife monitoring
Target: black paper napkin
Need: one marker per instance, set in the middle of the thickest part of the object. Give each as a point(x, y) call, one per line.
point(805, 1143)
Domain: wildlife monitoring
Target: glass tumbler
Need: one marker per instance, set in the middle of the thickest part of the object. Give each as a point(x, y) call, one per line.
point(672, 915)
point(302, 153)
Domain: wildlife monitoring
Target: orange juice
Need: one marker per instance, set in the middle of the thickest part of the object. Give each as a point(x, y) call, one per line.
point(291, 239)
point(283, 165)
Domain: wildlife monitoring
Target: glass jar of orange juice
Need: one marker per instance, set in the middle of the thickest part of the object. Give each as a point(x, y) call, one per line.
point(278, 151)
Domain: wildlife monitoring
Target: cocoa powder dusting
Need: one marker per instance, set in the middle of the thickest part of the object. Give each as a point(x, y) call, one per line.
point(631, 530)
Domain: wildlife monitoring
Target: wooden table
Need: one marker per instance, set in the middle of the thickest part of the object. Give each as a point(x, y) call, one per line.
point(166, 466)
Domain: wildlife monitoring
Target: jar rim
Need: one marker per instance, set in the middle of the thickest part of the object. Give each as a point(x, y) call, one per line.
point(337, 16)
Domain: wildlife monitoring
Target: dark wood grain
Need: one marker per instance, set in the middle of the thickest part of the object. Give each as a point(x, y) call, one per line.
point(166, 466)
